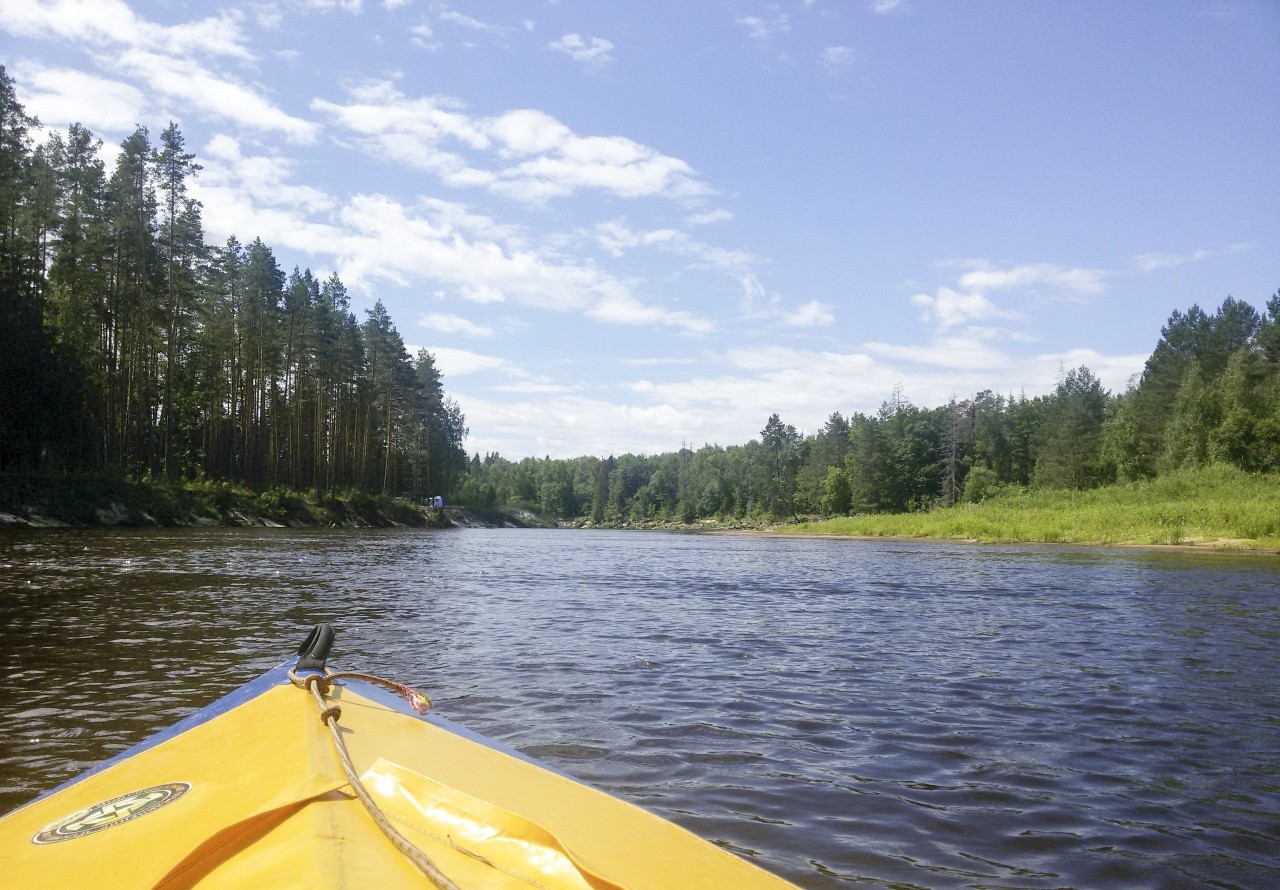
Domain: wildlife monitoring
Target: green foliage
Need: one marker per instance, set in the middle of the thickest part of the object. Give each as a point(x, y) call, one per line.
point(556, 496)
point(281, 505)
point(980, 484)
point(1071, 433)
point(1121, 448)
point(837, 494)
point(1195, 413)
point(129, 347)
point(783, 455)
point(1268, 338)
point(900, 450)
point(1168, 427)
point(1218, 505)
point(1248, 416)
point(475, 492)
point(909, 460)
point(221, 497)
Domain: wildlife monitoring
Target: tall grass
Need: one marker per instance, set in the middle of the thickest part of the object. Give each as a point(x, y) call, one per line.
point(1219, 506)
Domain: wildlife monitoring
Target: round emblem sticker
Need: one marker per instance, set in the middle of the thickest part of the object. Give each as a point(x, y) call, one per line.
point(110, 813)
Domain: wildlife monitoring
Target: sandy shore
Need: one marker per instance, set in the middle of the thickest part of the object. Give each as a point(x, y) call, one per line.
point(1219, 545)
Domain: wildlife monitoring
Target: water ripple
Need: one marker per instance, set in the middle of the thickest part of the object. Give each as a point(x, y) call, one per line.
point(903, 715)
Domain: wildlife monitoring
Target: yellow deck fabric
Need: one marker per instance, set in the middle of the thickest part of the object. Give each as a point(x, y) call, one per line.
point(269, 807)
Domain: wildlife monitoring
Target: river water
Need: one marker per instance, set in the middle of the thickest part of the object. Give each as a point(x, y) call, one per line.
point(890, 713)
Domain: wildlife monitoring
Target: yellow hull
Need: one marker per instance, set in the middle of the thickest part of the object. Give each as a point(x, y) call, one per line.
point(250, 793)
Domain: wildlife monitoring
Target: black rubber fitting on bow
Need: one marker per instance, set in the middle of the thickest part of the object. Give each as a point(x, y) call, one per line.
point(315, 648)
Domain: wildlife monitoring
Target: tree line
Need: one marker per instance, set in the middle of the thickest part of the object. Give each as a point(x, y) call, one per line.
point(128, 346)
point(1209, 392)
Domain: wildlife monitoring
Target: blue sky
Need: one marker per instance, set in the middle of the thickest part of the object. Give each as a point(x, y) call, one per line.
point(628, 226)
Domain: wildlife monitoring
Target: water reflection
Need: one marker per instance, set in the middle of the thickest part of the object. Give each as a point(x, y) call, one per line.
point(928, 715)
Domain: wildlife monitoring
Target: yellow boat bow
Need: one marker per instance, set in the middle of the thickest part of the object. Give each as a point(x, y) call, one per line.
point(251, 792)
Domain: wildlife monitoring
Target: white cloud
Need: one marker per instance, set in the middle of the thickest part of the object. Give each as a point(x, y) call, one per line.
point(167, 58)
point(268, 16)
point(453, 324)
point(511, 377)
point(326, 5)
point(763, 305)
point(186, 80)
point(652, 362)
point(837, 58)
point(541, 388)
point(64, 96)
point(241, 198)
point(950, 352)
point(424, 37)
point(762, 30)
point(524, 154)
point(233, 182)
point(620, 307)
point(375, 238)
point(527, 132)
point(616, 237)
point(104, 23)
point(466, 21)
point(590, 51)
point(966, 365)
point(711, 216)
point(728, 399)
point(948, 308)
point(885, 6)
point(461, 362)
point(1149, 262)
point(804, 386)
point(730, 407)
point(1035, 275)
point(572, 425)
point(811, 315)
point(454, 217)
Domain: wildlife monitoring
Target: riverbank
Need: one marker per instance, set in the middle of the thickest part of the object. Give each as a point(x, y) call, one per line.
point(1219, 508)
point(53, 502)
point(1215, 508)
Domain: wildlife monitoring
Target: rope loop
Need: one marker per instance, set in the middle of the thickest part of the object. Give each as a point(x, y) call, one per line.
point(320, 685)
point(417, 699)
point(310, 682)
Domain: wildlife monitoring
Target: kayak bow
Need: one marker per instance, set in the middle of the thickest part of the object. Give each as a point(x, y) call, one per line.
point(252, 792)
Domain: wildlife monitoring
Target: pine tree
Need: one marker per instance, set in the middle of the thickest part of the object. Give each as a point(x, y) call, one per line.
point(181, 247)
point(1194, 415)
point(23, 349)
point(1069, 440)
point(134, 310)
point(79, 283)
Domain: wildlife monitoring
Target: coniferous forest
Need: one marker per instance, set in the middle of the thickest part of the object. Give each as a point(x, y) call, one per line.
point(1209, 393)
point(129, 347)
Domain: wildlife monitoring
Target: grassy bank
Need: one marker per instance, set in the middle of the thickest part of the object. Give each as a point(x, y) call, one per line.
point(1217, 506)
point(94, 501)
